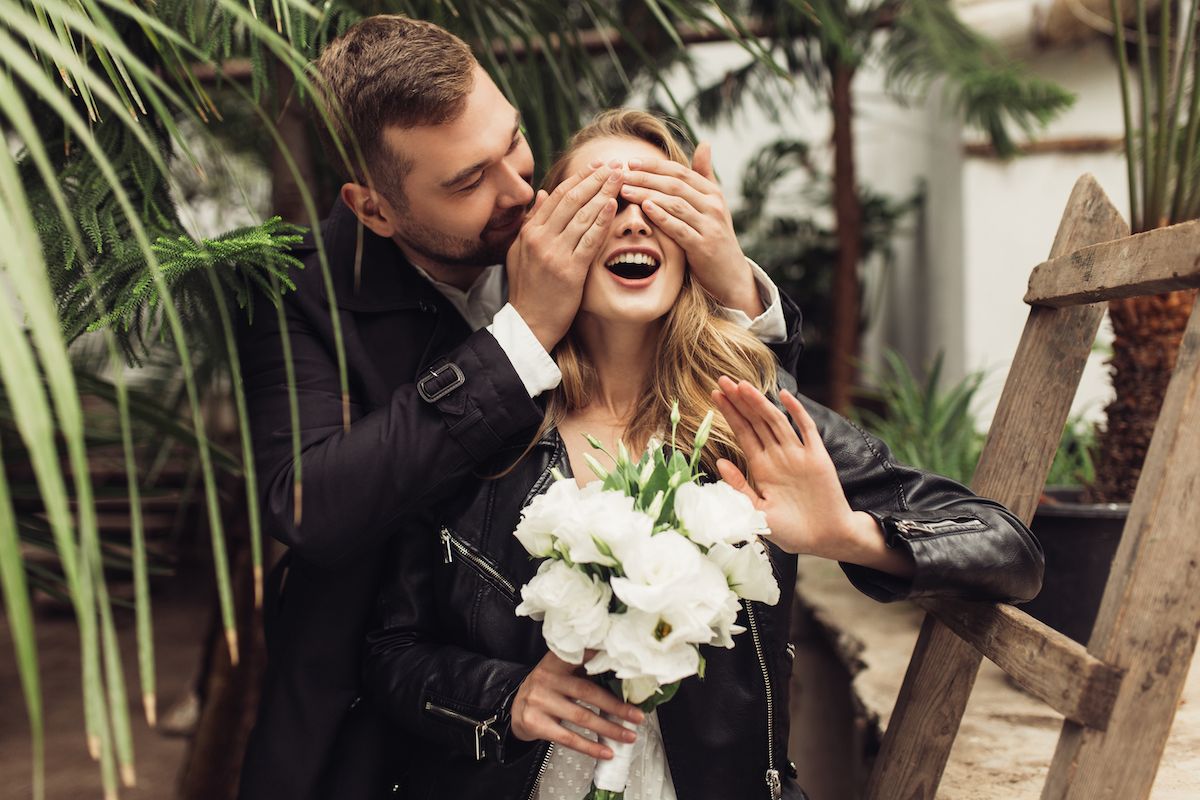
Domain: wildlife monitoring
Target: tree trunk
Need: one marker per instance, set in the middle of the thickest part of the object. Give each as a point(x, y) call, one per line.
point(291, 120)
point(1147, 332)
point(843, 345)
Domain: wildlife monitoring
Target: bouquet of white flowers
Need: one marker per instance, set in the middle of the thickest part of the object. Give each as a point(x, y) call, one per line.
point(643, 567)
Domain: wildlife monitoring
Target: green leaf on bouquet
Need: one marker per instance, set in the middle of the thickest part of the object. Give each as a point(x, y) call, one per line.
point(657, 483)
point(702, 667)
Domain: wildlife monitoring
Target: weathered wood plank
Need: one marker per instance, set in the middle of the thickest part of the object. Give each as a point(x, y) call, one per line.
point(1016, 458)
point(1049, 665)
point(1150, 616)
point(1149, 263)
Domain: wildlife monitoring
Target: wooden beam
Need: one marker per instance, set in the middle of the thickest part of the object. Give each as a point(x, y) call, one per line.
point(593, 42)
point(1016, 458)
point(1148, 619)
point(1073, 145)
point(1049, 665)
point(1155, 261)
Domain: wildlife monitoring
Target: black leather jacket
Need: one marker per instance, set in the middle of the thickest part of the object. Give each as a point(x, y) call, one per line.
point(447, 653)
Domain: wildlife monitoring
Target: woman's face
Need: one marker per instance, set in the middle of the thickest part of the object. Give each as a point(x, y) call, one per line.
point(638, 273)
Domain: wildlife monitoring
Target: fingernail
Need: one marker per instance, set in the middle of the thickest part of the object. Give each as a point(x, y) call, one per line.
point(614, 163)
point(606, 753)
point(637, 716)
point(635, 163)
point(629, 736)
point(595, 163)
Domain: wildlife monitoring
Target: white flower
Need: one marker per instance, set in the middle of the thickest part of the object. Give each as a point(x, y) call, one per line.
point(748, 570)
point(638, 690)
point(545, 515)
point(642, 646)
point(601, 525)
point(724, 627)
point(667, 572)
point(716, 512)
point(572, 605)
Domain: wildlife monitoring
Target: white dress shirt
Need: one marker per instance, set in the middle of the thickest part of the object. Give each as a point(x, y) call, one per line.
point(483, 305)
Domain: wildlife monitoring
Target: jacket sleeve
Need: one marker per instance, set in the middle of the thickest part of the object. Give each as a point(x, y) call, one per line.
point(394, 459)
point(787, 353)
point(437, 692)
point(963, 545)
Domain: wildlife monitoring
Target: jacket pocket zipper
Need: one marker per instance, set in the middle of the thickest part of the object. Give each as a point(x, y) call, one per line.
point(910, 526)
point(481, 727)
point(452, 546)
point(774, 782)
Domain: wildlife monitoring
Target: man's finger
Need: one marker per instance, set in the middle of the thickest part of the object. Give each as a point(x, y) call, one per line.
point(664, 166)
point(574, 200)
point(673, 187)
point(702, 161)
point(555, 198)
point(684, 234)
point(591, 239)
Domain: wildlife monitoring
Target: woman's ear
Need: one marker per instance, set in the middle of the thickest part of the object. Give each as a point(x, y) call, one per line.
point(371, 208)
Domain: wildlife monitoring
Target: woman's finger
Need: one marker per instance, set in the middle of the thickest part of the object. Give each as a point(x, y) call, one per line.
point(734, 477)
point(753, 415)
point(589, 692)
point(563, 709)
point(568, 738)
point(743, 431)
point(766, 417)
point(808, 428)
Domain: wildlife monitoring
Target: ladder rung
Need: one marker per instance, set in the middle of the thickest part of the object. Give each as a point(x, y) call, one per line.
point(1148, 263)
point(1049, 665)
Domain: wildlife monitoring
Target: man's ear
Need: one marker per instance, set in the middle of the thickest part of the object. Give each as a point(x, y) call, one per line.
point(371, 208)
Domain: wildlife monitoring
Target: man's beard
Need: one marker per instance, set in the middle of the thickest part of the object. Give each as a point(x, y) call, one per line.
point(491, 246)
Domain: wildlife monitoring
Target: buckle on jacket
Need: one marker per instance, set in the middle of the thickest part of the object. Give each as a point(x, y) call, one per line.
point(437, 392)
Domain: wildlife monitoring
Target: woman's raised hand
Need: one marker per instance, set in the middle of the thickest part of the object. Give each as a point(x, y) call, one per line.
point(549, 696)
point(795, 482)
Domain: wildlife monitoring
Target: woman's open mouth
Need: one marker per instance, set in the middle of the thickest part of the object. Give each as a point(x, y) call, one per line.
point(632, 266)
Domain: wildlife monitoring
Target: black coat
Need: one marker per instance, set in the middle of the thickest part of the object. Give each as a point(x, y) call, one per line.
point(404, 343)
point(447, 651)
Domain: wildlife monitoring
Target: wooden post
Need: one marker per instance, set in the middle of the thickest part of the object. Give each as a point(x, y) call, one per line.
point(1150, 614)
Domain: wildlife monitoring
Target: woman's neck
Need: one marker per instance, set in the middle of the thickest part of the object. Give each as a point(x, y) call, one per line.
point(622, 354)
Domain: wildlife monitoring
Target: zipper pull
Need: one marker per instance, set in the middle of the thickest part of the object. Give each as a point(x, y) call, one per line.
point(774, 784)
point(480, 729)
point(448, 551)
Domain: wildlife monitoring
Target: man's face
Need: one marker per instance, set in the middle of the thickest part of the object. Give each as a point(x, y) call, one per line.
point(469, 184)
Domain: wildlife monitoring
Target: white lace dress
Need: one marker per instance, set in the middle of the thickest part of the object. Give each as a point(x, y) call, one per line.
point(568, 776)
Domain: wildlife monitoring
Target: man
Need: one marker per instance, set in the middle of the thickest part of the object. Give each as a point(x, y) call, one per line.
point(442, 371)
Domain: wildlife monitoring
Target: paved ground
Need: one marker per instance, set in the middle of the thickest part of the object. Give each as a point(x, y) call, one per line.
point(181, 619)
point(1007, 738)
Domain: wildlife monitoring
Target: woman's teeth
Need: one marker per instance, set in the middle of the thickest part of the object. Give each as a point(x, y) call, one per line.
point(632, 266)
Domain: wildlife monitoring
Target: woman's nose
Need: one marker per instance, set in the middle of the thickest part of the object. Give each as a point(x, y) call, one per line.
point(632, 221)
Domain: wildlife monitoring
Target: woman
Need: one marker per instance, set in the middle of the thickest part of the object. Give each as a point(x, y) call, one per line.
point(488, 711)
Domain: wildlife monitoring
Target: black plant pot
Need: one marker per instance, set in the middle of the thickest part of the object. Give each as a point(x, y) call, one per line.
point(1080, 540)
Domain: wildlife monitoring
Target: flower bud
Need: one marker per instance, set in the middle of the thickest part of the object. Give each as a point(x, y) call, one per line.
point(593, 441)
point(703, 431)
point(595, 466)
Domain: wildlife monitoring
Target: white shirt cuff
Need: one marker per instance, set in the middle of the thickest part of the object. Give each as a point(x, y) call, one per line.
point(769, 326)
point(533, 364)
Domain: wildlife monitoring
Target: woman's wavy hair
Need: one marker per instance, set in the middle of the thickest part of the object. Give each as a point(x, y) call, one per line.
point(697, 344)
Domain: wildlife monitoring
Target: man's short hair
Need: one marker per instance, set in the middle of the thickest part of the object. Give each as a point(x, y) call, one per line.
point(390, 70)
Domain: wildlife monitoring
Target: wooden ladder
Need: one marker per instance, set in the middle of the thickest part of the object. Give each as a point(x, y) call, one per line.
point(1118, 694)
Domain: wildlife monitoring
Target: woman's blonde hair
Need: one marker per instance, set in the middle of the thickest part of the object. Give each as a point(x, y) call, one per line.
point(696, 346)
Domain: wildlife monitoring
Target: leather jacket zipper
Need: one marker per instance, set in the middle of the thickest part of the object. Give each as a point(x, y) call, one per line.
point(943, 526)
point(774, 783)
point(453, 546)
point(482, 726)
point(537, 781)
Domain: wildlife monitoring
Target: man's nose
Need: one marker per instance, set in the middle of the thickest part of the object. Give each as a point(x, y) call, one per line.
point(517, 189)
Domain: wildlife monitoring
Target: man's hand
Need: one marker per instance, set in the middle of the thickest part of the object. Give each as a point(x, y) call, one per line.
point(551, 694)
point(548, 263)
point(687, 205)
point(796, 483)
